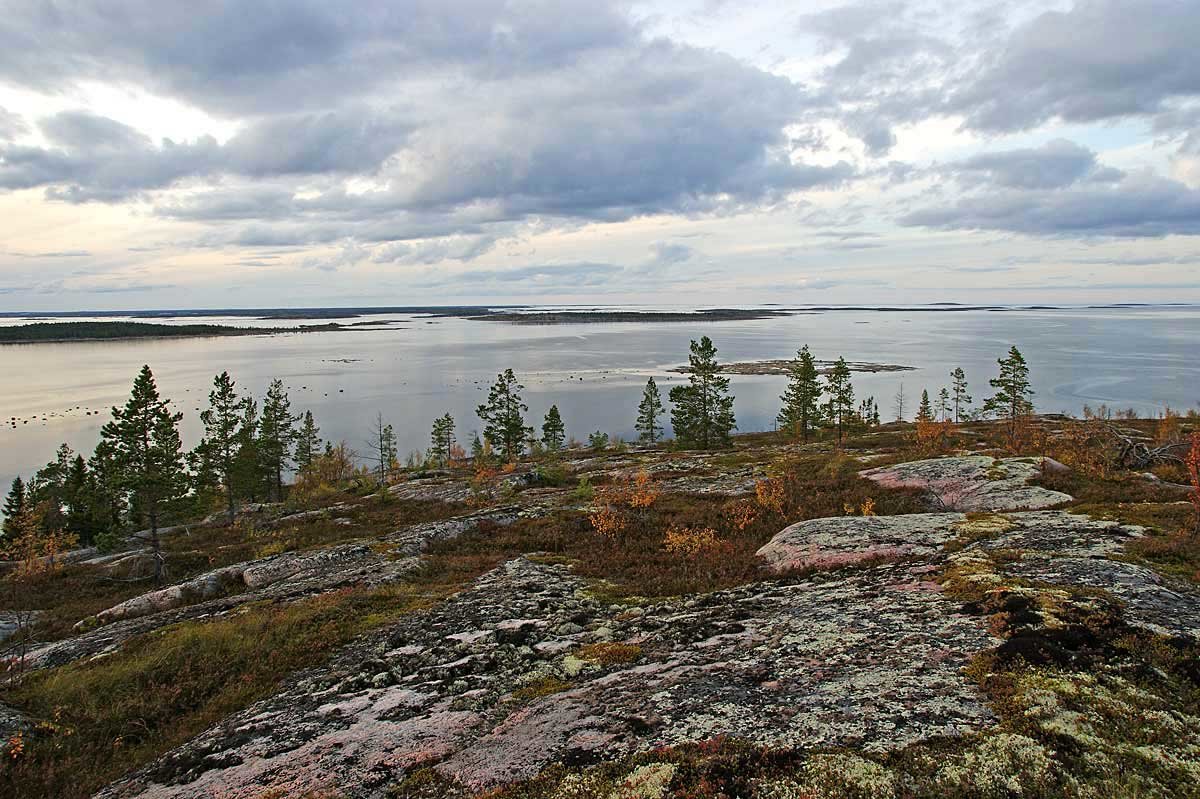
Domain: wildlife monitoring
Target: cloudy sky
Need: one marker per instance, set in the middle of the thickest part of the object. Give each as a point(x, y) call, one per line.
point(266, 153)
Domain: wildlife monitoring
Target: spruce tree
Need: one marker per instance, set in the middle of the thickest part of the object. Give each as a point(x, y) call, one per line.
point(802, 398)
point(1011, 401)
point(899, 401)
point(276, 438)
point(925, 409)
point(441, 439)
point(503, 422)
point(650, 409)
point(144, 436)
point(959, 387)
point(308, 441)
point(216, 454)
point(703, 410)
point(108, 498)
point(841, 396)
point(14, 505)
point(554, 432)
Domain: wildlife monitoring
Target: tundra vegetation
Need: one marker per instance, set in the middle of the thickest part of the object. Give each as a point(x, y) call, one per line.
point(1083, 700)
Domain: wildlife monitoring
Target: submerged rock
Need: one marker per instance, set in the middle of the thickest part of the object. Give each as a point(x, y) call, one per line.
point(972, 483)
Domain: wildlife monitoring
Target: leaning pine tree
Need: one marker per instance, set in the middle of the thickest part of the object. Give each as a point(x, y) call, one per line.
point(503, 423)
point(650, 409)
point(801, 410)
point(703, 410)
point(1011, 403)
point(144, 437)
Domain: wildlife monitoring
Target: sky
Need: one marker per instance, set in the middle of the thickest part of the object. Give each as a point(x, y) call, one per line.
point(268, 153)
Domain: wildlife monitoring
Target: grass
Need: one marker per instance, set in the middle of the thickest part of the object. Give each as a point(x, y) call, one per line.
point(105, 717)
point(76, 592)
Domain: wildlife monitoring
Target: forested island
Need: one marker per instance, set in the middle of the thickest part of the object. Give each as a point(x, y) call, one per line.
point(593, 317)
point(47, 332)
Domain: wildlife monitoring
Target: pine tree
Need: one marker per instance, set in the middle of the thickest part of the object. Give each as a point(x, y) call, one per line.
point(554, 432)
point(144, 436)
point(802, 399)
point(703, 410)
point(383, 447)
point(216, 454)
point(276, 438)
point(247, 470)
point(925, 409)
point(899, 403)
point(108, 499)
point(14, 505)
point(650, 410)
point(308, 441)
point(1011, 401)
point(441, 439)
point(841, 396)
point(503, 422)
point(961, 398)
point(944, 405)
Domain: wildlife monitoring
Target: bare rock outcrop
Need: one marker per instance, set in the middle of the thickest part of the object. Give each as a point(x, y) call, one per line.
point(871, 659)
point(972, 483)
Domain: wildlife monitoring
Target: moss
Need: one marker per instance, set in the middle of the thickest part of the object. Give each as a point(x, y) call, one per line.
point(609, 654)
point(539, 687)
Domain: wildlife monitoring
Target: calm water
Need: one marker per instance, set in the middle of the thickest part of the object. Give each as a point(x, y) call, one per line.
point(1143, 358)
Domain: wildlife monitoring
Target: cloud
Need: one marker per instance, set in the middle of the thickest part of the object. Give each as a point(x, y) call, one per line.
point(11, 125)
point(1100, 60)
point(1138, 206)
point(1053, 165)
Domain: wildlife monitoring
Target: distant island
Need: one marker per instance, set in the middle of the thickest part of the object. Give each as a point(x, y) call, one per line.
point(783, 367)
point(593, 317)
point(46, 332)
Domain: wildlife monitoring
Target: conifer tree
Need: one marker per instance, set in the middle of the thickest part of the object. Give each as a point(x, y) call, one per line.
point(247, 471)
point(1011, 401)
point(441, 439)
point(14, 505)
point(899, 400)
point(944, 405)
point(383, 447)
point(216, 454)
point(925, 409)
point(703, 410)
point(802, 399)
point(554, 432)
point(503, 423)
point(650, 410)
point(108, 499)
point(841, 396)
point(144, 436)
point(276, 438)
point(962, 399)
point(308, 441)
